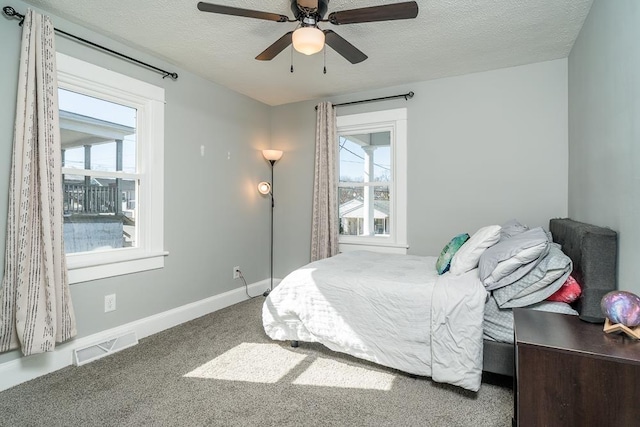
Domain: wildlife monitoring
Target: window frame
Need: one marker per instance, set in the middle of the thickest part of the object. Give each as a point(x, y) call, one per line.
point(89, 79)
point(394, 121)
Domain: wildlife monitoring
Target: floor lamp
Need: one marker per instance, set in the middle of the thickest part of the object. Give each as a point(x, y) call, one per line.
point(267, 188)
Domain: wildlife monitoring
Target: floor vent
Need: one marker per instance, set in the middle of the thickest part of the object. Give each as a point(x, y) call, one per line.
point(93, 352)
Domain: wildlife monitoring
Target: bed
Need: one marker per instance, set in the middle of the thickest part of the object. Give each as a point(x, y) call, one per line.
point(399, 311)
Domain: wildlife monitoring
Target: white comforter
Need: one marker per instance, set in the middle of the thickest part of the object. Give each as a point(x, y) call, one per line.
point(390, 309)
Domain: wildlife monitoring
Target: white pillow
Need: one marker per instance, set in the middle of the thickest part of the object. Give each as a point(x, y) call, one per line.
point(468, 255)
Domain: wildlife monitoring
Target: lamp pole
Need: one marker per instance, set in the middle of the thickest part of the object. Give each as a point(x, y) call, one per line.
point(266, 293)
point(272, 156)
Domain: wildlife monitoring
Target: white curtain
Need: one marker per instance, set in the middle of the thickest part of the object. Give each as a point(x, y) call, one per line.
point(324, 227)
point(35, 304)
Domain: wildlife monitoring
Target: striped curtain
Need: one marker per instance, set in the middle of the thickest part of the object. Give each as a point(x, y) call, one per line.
point(35, 303)
point(324, 225)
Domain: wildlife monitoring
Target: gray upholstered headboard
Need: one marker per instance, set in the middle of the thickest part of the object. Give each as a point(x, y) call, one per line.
point(594, 252)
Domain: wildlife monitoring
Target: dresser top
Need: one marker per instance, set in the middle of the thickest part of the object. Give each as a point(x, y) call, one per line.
point(563, 332)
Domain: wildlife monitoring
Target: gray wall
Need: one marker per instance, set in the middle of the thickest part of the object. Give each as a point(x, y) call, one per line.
point(214, 217)
point(604, 128)
point(483, 148)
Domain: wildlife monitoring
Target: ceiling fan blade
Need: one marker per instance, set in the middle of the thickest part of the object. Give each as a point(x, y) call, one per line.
point(389, 12)
point(272, 51)
point(343, 47)
point(236, 11)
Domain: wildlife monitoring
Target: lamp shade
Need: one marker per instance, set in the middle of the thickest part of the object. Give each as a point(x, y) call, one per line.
point(264, 187)
point(274, 155)
point(308, 40)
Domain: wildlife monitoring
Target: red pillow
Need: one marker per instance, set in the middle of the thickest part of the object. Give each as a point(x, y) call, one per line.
point(568, 292)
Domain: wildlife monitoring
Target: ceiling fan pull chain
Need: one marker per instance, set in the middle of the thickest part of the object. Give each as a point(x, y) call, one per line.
point(292, 58)
point(324, 69)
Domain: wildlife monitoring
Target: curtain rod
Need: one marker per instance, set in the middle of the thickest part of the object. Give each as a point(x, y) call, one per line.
point(11, 13)
point(406, 97)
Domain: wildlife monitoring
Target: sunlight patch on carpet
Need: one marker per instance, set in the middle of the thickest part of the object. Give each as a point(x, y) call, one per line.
point(250, 362)
point(330, 373)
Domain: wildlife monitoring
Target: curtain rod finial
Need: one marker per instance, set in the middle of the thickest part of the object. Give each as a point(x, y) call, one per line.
point(11, 12)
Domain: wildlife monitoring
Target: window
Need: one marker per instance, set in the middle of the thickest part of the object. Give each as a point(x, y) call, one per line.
point(372, 193)
point(112, 137)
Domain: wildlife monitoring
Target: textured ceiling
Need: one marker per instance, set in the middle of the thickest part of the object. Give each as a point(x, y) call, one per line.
point(449, 37)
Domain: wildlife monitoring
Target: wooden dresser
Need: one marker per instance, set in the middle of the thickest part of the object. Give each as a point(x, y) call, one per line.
point(570, 373)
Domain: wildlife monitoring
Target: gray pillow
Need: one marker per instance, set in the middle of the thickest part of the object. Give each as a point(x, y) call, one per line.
point(510, 259)
point(540, 283)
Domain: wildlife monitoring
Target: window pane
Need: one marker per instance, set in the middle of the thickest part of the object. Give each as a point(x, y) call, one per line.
point(99, 213)
point(96, 134)
point(365, 157)
point(364, 211)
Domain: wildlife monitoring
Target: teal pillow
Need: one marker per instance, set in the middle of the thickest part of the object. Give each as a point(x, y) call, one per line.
point(444, 260)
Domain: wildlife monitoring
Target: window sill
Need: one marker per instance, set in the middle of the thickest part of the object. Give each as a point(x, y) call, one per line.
point(112, 268)
point(384, 248)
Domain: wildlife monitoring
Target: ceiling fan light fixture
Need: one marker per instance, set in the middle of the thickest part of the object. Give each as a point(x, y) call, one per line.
point(308, 40)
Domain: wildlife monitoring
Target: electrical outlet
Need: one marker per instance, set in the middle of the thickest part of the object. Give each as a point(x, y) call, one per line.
point(109, 303)
point(236, 272)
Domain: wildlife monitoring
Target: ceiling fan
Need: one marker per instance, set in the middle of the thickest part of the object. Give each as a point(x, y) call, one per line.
point(307, 38)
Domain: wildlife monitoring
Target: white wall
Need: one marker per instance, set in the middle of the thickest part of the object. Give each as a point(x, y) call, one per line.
point(483, 148)
point(604, 128)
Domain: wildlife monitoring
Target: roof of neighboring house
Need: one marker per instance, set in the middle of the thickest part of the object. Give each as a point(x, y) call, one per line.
point(354, 208)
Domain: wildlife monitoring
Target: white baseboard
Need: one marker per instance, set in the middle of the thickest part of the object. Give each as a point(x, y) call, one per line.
point(20, 370)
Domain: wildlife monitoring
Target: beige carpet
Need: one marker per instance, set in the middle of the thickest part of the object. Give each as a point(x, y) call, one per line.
point(222, 370)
